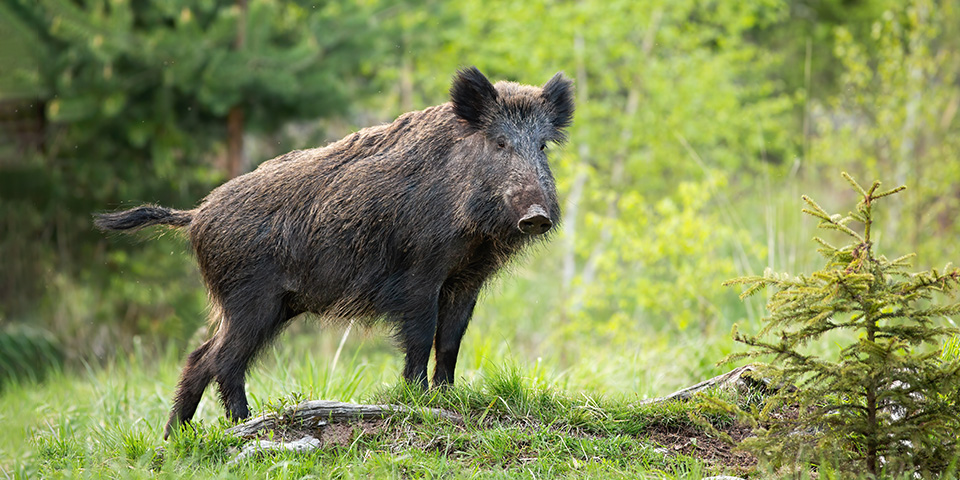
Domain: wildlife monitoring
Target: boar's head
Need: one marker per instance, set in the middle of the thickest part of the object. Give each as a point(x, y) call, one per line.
point(513, 126)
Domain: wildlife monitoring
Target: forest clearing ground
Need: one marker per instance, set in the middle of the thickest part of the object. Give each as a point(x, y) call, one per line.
point(524, 441)
point(481, 431)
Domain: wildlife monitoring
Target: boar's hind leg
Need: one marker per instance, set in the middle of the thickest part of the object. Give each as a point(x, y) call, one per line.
point(456, 309)
point(249, 325)
point(195, 377)
point(416, 332)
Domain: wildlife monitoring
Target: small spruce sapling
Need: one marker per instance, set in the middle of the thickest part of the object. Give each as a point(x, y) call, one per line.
point(890, 401)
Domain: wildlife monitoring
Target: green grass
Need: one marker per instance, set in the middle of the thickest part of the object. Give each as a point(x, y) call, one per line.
point(521, 421)
point(531, 410)
point(525, 415)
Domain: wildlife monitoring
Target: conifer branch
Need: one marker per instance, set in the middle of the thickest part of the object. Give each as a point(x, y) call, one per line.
point(839, 226)
point(856, 186)
point(890, 192)
point(903, 260)
point(815, 210)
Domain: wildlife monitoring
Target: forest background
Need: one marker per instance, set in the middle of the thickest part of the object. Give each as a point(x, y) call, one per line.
point(699, 124)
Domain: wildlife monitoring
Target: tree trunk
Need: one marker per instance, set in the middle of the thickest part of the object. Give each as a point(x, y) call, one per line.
point(235, 163)
point(235, 117)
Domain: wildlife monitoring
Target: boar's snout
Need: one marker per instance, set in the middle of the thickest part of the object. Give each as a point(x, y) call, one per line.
point(535, 221)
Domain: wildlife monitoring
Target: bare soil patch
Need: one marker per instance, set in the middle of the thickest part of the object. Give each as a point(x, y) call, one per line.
point(694, 442)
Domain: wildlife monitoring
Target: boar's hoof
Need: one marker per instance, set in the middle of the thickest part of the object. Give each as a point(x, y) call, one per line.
point(535, 221)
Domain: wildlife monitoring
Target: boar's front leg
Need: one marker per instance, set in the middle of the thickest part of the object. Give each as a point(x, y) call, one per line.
point(417, 327)
point(456, 309)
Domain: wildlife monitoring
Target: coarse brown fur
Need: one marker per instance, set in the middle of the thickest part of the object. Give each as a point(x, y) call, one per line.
point(403, 222)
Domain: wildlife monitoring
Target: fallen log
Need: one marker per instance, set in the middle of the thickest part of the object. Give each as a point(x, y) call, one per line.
point(738, 379)
point(318, 413)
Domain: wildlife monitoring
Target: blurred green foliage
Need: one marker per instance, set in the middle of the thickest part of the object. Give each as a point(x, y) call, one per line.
point(697, 124)
point(134, 97)
point(27, 353)
point(897, 117)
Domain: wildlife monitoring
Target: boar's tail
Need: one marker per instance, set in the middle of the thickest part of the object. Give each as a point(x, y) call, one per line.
point(143, 216)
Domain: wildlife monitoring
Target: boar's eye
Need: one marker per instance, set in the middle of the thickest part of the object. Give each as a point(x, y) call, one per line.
point(543, 146)
point(501, 144)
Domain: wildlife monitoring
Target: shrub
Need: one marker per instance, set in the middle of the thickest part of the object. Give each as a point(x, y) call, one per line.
point(890, 401)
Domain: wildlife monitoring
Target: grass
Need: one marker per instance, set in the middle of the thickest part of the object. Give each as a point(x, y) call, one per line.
point(520, 421)
point(534, 409)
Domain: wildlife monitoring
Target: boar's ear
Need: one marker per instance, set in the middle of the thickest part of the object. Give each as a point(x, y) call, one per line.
point(559, 93)
point(473, 97)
